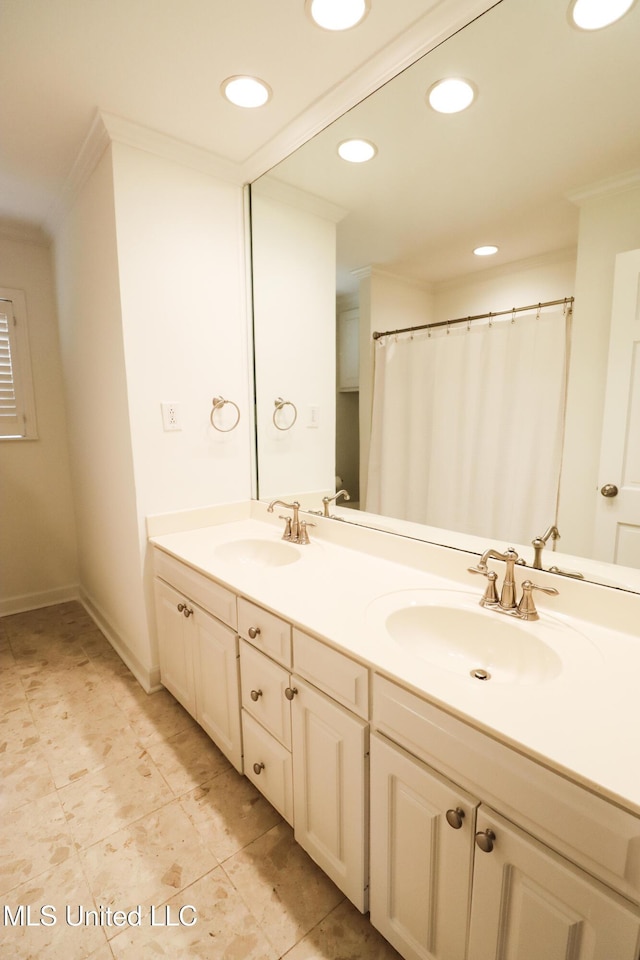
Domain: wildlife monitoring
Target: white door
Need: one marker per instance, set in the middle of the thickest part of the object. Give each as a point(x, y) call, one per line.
point(217, 683)
point(175, 645)
point(617, 529)
point(530, 904)
point(330, 747)
point(422, 829)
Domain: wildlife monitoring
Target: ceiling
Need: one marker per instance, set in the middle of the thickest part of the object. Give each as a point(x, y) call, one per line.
point(160, 63)
point(557, 113)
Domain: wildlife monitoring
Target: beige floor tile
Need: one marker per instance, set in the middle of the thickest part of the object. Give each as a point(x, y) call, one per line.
point(17, 729)
point(148, 861)
point(33, 839)
point(224, 928)
point(344, 935)
point(104, 802)
point(75, 747)
point(229, 813)
point(187, 759)
point(12, 693)
point(62, 887)
point(270, 875)
point(25, 776)
point(154, 716)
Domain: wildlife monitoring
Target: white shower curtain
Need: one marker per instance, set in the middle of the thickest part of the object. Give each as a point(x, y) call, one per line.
point(468, 425)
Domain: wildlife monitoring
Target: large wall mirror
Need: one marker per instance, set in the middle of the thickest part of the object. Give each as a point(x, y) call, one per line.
point(484, 423)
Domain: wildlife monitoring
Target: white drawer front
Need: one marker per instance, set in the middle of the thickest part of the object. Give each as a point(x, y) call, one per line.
point(587, 829)
point(263, 684)
point(268, 765)
point(215, 598)
point(339, 676)
point(265, 631)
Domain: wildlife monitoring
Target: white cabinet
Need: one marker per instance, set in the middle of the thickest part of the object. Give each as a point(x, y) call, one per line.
point(330, 788)
point(199, 653)
point(422, 830)
point(530, 904)
point(305, 751)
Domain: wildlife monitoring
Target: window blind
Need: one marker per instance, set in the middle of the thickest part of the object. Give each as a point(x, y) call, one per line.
point(12, 420)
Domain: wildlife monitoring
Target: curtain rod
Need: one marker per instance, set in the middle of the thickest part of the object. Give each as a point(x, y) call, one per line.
point(479, 316)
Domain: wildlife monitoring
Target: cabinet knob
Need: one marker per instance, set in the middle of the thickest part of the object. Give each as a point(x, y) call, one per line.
point(253, 632)
point(187, 611)
point(255, 694)
point(258, 768)
point(485, 840)
point(182, 607)
point(455, 817)
point(609, 490)
point(290, 692)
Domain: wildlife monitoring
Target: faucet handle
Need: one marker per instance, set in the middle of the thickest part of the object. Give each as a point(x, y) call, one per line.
point(526, 607)
point(303, 536)
point(490, 595)
point(287, 528)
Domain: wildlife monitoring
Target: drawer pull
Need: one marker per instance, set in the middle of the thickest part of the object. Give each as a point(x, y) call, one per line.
point(184, 609)
point(255, 694)
point(485, 840)
point(455, 817)
point(254, 632)
point(290, 692)
point(258, 768)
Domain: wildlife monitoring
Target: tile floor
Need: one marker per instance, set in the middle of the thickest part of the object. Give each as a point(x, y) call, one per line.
point(112, 800)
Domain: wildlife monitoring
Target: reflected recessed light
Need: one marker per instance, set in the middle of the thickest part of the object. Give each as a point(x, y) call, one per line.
point(595, 14)
point(486, 251)
point(246, 91)
point(357, 151)
point(337, 14)
point(451, 95)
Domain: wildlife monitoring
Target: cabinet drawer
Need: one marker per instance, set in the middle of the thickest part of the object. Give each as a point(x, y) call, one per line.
point(268, 765)
point(586, 828)
point(263, 685)
point(211, 595)
point(265, 631)
point(339, 676)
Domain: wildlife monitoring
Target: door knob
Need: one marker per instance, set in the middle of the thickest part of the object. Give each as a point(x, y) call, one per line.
point(609, 490)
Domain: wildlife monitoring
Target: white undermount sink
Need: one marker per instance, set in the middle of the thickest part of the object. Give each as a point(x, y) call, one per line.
point(258, 553)
point(450, 630)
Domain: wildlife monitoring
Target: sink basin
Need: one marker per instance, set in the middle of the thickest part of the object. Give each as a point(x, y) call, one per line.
point(258, 553)
point(450, 630)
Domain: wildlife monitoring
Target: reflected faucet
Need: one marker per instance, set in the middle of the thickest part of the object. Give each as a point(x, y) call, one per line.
point(327, 500)
point(539, 543)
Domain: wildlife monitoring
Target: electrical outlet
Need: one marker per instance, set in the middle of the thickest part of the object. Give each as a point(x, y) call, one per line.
point(171, 416)
point(314, 416)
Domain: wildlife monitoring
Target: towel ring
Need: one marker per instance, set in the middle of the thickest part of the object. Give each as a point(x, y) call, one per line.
point(279, 404)
point(218, 404)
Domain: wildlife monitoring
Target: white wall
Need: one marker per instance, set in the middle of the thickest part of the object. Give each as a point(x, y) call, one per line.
point(151, 289)
point(609, 224)
point(38, 543)
point(294, 282)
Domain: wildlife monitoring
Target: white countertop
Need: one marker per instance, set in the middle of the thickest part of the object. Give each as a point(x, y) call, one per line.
point(584, 722)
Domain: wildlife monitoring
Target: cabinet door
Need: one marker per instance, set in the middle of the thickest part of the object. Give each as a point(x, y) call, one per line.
point(330, 747)
point(268, 765)
point(217, 684)
point(530, 904)
point(263, 692)
point(175, 648)
point(420, 864)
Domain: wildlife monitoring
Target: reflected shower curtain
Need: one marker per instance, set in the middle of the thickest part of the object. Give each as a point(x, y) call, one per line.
point(468, 425)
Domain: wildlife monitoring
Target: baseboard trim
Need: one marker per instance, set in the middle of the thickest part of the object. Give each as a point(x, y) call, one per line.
point(148, 678)
point(33, 601)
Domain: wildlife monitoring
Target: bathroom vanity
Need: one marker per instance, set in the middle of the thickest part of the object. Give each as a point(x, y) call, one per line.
point(473, 818)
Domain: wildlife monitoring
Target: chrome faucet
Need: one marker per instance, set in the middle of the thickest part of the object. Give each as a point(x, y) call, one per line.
point(539, 543)
point(525, 609)
point(327, 500)
point(295, 530)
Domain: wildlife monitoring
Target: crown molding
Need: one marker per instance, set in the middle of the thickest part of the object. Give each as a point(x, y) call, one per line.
point(605, 188)
point(93, 147)
point(300, 199)
point(445, 18)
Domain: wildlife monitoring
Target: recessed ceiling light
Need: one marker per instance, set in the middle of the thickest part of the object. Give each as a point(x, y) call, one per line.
point(246, 91)
point(337, 14)
point(486, 251)
point(595, 14)
point(451, 95)
point(357, 151)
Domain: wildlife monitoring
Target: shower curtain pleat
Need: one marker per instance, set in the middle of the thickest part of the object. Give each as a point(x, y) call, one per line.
point(468, 426)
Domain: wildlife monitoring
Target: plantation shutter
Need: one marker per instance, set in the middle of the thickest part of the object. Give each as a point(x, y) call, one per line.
point(12, 415)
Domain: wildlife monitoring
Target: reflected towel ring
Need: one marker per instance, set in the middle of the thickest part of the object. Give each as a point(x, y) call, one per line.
point(218, 404)
point(279, 404)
